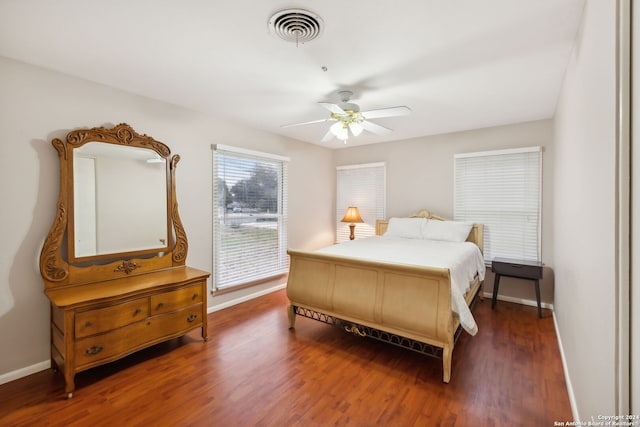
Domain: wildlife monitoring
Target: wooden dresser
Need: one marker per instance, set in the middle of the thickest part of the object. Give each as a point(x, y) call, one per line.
point(114, 261)
point(104, 321)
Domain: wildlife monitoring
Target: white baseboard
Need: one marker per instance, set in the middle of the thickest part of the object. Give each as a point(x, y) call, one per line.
point(567, 378)
point(23, 372)
point(522, 301)
point(245, 298)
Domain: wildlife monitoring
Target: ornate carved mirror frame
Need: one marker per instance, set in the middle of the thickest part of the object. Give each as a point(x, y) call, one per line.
point(60, 266)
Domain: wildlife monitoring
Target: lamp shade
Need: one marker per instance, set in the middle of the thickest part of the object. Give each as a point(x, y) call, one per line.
point(356, 128)
point(340, 130)
point(352, 215)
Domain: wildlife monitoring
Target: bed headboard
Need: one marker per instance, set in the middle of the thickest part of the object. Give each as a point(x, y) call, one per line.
point(476, 235)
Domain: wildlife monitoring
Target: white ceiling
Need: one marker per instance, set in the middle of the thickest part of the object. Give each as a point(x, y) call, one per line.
point(458, 64)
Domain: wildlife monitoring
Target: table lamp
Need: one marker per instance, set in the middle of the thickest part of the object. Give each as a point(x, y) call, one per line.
point(352, 216)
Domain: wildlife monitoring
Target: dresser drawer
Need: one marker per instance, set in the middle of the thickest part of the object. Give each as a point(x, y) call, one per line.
point(176, 323)
point(107, 318)
point(175, 300)
point(93, 350)
point(96, 349)
point(515, 268)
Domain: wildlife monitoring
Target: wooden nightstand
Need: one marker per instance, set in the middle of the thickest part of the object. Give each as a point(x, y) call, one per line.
point(517, 268)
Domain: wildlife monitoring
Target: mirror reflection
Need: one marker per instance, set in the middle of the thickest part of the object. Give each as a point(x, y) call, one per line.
point(120, 199)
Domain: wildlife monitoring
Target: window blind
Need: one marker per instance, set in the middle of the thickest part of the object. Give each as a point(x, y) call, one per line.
point(502, 190)
point(362, 186)
point(250, 216)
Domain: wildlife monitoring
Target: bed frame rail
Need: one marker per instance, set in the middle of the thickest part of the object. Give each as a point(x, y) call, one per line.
point(377, 334)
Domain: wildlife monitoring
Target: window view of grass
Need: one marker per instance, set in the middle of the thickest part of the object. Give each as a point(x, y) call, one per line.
point(249, 228)
point(247, 250)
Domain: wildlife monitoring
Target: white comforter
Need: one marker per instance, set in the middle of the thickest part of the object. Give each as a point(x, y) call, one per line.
point(464, 260)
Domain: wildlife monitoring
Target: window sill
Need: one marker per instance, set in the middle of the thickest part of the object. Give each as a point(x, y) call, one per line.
point(227, 290)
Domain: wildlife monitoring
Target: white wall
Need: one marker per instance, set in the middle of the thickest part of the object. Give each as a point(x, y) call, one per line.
point(37, 105)
point(420, 176)
point(584, 213)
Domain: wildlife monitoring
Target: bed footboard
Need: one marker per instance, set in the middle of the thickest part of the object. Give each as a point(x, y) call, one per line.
point(402, 301)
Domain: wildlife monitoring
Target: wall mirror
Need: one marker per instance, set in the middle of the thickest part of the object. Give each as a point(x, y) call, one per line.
point(117, 211)
point(119, 201)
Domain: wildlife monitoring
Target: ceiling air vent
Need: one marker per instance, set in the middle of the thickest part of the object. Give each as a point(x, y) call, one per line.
point(296, 25)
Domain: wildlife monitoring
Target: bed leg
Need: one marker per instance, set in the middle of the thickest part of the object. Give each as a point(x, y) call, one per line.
point(481, 291)
point(292, 316)
point(446, 363)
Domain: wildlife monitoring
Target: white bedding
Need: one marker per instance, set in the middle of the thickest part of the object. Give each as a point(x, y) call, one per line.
point(463, 259)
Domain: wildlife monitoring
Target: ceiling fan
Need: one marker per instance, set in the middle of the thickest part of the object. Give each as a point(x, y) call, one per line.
point(350, 120)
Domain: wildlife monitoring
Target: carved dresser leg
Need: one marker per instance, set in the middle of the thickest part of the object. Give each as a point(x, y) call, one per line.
point(70, 385)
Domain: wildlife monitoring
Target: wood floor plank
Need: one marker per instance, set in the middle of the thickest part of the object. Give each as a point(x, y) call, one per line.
point(254, 371)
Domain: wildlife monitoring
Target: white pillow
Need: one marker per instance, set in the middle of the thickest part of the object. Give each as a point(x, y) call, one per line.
point(450, 231)
point(408, 228)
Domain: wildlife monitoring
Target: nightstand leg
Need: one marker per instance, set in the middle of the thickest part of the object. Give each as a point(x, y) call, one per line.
point(538, 298)
point(496, 283)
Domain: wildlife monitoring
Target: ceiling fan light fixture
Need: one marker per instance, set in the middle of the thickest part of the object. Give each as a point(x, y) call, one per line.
point(356, 128)
point(340, 130)
point(349, 119)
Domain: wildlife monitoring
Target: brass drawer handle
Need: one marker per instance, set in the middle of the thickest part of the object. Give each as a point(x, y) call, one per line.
point(88, 324)
point(137, 311)
point(94, 350)
point(192, 317)
point(160, 305)
point(194, 296)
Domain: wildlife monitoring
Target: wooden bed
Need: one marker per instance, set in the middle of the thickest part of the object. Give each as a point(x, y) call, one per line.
point(405, 305)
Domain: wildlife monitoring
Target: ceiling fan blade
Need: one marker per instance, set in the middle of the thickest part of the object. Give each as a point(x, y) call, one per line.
point(305, 123)
point(386, 112)
point(374, 128)
point(327, 136)
point(333, 108)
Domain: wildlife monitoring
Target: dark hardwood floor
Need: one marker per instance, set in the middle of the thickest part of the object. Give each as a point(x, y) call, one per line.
point(254, 371)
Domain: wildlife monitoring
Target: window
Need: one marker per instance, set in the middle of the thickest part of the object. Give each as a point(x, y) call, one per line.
point(502, 190)
point(362, 186)
point(250, 216)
